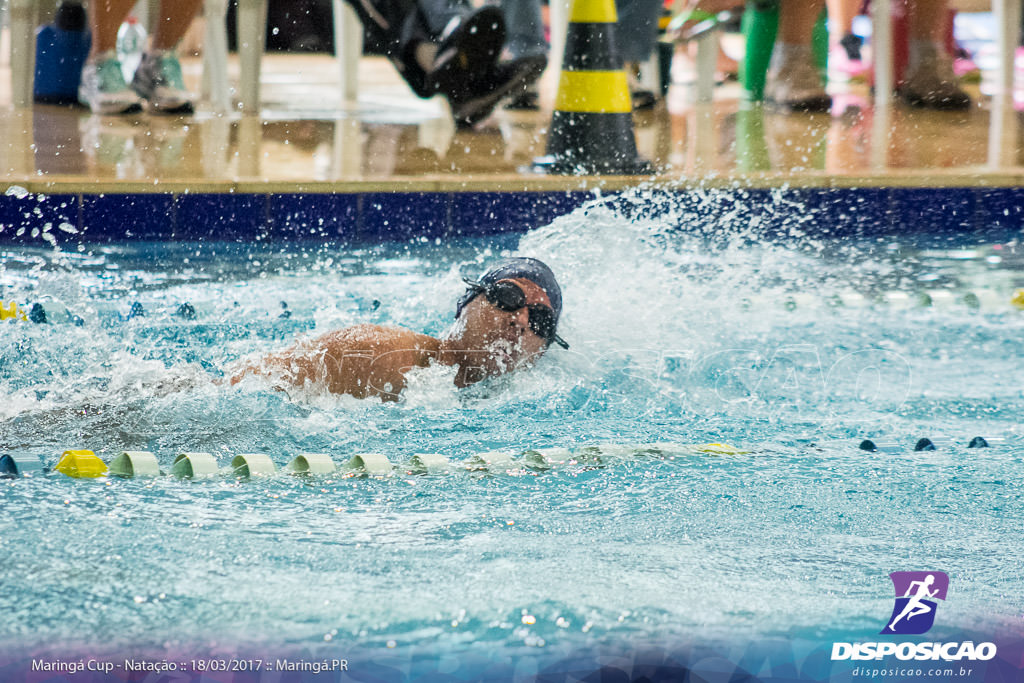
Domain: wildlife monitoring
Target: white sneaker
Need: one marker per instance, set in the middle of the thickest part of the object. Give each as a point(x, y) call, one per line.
point(103, 89)
point(159, 81)
point(794, 82)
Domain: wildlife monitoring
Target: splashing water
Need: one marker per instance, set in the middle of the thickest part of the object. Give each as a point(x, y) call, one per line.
point(688, 323)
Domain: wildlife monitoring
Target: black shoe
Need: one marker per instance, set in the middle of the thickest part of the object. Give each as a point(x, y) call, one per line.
point(642, 100)
point(512, 77)
point(466, 53)
point(851, 43)
point(528, 101)
point(951, 99)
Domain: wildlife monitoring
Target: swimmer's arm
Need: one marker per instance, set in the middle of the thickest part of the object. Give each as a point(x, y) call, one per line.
point(295, 365)
point(364, 360)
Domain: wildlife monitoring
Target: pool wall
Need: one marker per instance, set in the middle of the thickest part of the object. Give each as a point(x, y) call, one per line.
point(388, 216)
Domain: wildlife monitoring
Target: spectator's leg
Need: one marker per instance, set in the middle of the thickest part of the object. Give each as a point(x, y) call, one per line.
point(438, 46)
point(637, 33)
point(159, 79)
point(175, 18)
point(102, 87)
point(525, 26)
point(845, 61)
point(797, 19)
point(437, 14)
point(637, 28)
point(106, 17)
point(930, 80)
point(794, 81)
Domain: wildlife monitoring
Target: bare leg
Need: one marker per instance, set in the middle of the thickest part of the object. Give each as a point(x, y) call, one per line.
point(793, 80)
point(106, 17)
point(930, 80)
point(841, 14)
point(926, 19)
point(175, 18)
point(797, 19)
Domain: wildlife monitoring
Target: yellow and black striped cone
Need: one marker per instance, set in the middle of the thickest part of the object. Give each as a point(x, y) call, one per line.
point(592, 125)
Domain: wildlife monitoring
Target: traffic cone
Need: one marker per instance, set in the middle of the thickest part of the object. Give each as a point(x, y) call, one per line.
point(592, 125)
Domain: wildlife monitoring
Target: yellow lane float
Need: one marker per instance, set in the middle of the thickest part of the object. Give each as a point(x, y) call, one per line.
point(10, 311)
point(81, 464)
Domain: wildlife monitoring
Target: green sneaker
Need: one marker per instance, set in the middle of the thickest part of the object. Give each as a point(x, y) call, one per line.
point(158, 80)
point(103, 89)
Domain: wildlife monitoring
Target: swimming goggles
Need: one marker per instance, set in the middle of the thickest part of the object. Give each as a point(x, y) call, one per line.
point(508, 296)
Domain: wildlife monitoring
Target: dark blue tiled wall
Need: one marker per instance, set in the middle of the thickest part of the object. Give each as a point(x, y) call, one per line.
point(395, 216)
point(938, 214)
point(36, 211)
point(116, 217)
point(490, 213)
point(222, 217)
point(321, 217)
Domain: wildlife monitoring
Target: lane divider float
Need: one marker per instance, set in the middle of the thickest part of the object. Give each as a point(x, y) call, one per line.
point(20, 465)
point(428, 463)
point(923, 444)
point(81, 464)
point(311, 463)
point(490, 461)
point(195, 466)
point(84, 464)
point(52, 311)
point(547, 458)
point(248, 465)
point(131, 464)
point(11, 311)
point(370, 463)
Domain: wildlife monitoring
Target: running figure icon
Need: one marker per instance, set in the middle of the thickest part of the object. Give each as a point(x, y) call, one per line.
point(916, 594)
point(914, 606)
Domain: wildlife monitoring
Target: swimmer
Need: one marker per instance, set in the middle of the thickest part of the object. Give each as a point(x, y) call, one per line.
point(914, 606)
point(504, 321)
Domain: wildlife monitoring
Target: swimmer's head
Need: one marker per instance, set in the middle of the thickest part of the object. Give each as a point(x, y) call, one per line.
point(509, 316)
point(531, 269)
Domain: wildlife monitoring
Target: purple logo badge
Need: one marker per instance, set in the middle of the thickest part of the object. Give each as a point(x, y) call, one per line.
point(916, 592)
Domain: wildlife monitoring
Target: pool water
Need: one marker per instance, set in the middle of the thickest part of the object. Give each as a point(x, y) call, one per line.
point(686, 326)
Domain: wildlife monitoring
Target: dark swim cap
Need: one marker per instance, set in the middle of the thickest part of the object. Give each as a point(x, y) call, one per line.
point(530, 269)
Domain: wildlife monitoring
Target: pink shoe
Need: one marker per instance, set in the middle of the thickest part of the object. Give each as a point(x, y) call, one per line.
point(964, 66)
point(842, 69)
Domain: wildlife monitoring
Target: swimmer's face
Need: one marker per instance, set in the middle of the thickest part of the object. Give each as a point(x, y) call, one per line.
point(501, 341)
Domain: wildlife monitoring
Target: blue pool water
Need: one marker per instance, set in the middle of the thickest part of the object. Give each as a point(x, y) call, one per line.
point(685, 327)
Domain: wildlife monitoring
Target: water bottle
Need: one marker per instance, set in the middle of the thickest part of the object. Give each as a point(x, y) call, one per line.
point(131, 43)
point(61, 50)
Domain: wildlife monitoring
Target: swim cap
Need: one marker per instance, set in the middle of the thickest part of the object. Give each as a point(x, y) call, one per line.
point(530, 269)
